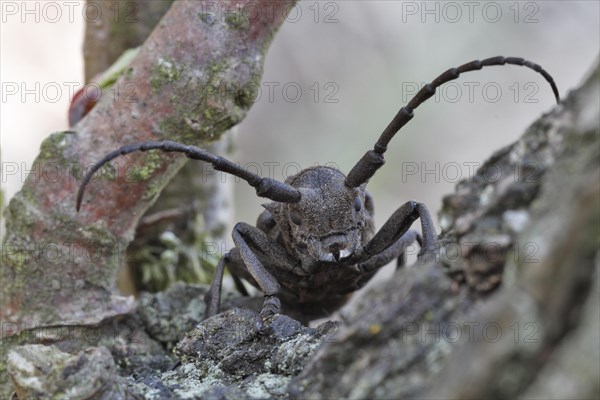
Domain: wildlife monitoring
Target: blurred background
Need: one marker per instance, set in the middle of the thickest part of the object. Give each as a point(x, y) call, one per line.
point(335, 75)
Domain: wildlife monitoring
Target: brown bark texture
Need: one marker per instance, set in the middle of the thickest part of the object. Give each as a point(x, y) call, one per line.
point(124, 24)
point(509, 309)
point(190, 82)
point(193, 206)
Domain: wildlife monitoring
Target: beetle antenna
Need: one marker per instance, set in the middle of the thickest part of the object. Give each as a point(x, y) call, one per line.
point(265, 187)
point(373, 159)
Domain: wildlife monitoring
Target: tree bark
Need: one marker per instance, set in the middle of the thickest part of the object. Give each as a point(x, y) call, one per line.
point(125, 24)
point(510, 307)
point(192, 207)
point(190, 83)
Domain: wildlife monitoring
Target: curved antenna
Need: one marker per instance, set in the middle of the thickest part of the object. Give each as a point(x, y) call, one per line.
point(265, 187)
point(373, 159)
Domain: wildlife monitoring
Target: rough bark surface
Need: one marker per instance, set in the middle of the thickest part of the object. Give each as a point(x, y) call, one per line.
point(175, 239)
point(185, 55)
point(115, 26)
point(509, 309)
point(530, 331)
point(531, 237)
point(192, 207)
point(190, 81)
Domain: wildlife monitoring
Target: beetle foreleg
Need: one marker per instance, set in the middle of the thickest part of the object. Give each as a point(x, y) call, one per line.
point(398, 224)
point(254, 245)
point(396, 250)
point(212, 298)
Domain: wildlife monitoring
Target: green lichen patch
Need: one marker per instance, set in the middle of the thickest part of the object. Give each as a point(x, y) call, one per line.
point(194, 129)
point(248, 93)
point(98, 232)
point(165, 72)
point(151, 162)
point(108, 172)
point(15, 258)
point(237, 20)
point(208, 18)
point(154, 189)
point(53, 146)
point(18, 212)
point(221, 102)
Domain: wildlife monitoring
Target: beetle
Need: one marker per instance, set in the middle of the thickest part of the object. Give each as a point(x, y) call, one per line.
point(315, 243)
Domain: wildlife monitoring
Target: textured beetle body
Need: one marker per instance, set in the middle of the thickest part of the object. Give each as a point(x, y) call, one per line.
point(315, 243)
point(332, 221)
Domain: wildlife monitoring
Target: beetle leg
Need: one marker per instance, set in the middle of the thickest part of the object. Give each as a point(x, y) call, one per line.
point(401, 261)
point(239, 285)
point(396, 250)
point(212, 298)
point(256, 249)
point(398, 224)
point(238, 270)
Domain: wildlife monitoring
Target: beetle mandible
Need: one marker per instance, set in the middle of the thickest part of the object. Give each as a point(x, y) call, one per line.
point(315, 244)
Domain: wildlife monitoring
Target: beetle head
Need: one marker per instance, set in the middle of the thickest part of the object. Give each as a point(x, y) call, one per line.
point(328, 221)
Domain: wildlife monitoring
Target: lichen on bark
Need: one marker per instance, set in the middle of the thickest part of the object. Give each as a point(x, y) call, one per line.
point(77, 286)
point(424, 333)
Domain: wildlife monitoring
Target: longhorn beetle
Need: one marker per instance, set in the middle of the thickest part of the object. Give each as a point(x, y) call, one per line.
point(315, 243)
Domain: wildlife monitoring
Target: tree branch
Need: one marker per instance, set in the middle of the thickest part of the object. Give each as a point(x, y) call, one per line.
point(188, 83)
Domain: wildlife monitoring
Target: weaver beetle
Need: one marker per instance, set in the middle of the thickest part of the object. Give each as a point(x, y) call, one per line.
point(315, 243)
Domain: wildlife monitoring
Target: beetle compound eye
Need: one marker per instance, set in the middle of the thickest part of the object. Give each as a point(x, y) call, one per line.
point(295, 218)
point(357, 204)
